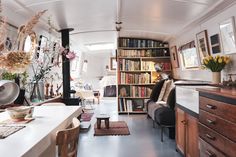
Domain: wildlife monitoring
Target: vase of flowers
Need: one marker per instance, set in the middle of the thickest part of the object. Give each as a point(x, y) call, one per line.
point(216, 65)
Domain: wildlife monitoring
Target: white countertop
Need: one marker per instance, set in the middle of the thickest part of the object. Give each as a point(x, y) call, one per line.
point(188, 97)
point(38, 137)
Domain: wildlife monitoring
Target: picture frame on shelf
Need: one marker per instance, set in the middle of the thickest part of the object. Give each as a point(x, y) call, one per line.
point(174, 57)
point(202, 45)
point(215, 44)
point(113, 63)
point(227, 33)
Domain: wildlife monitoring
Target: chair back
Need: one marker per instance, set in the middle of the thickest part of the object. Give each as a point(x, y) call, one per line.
point(67, 140)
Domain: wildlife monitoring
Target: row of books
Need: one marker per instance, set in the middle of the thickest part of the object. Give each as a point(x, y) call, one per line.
point(129, 42)
point(135, 91)
point(128, 105)
point(132, 65)
point(129, 65)
point(144, 53)
point(166, 66)
point(148, 65)
point(141, 78)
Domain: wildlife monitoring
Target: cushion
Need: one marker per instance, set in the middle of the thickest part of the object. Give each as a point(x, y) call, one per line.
point(171, 99)
point(152, 106)
point(163, 90)
point(169, 86)
point(156, 90)
point(165, 116)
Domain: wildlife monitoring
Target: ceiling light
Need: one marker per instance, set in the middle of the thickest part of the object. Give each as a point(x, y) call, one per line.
point(100, 46)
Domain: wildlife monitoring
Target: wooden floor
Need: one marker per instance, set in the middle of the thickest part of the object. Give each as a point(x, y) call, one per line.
point(144, 140)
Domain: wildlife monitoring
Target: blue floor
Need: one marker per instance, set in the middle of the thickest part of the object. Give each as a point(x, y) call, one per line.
point(144, 140)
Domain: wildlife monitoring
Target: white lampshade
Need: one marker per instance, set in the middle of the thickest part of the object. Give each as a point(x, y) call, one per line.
point(9, 91)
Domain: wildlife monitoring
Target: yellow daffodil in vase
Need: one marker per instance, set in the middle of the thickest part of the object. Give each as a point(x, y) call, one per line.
point(216, 64)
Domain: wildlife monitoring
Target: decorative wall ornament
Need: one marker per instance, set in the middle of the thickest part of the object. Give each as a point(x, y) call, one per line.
point(202, 44)
point(17, 60)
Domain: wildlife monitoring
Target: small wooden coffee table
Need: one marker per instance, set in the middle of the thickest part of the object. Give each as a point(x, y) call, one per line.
point(101, 117)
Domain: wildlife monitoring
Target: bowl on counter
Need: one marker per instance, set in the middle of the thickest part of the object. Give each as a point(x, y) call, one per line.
point(18, 113)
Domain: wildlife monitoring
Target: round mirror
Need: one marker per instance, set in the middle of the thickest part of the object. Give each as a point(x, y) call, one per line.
point(27, 41)
point(27, 45)
point(30, 43)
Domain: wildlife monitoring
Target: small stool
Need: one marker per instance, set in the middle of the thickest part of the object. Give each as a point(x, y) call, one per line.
point(104, 117)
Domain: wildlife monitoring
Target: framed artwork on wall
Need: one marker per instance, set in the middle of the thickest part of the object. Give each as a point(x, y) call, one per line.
point(202, 44)
point(227, 33)
point(41, 45)
point(11, 37)
point(215, 44)
point(189, 56)
point(174, 57)
point(113, 63)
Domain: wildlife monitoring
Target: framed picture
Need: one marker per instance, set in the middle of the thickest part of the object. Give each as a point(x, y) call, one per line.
point(113, 63)
point(202, 44)
point(11, 37)
point(42, 44)
point(227, 33)
point(174, 57)
point(190, 58)
point(215, 44)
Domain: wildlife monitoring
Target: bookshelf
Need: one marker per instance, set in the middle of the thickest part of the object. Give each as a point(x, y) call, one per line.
point(136, 73)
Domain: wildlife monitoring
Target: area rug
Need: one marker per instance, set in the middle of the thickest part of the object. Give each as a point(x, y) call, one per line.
point(86, 116)
point(116, 128)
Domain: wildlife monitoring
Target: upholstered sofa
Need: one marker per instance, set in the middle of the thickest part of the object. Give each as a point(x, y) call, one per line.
point(159, 97)
point(161, 106)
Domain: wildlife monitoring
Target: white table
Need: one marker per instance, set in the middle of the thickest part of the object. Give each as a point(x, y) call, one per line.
point(38, 137)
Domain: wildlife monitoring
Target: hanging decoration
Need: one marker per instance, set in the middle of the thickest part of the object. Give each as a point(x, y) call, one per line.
point(17, 60)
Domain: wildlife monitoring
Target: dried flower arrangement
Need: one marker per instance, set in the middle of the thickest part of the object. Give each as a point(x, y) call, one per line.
point(17, 61)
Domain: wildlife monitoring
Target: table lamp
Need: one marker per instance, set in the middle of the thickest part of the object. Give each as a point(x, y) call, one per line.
point(9, 91)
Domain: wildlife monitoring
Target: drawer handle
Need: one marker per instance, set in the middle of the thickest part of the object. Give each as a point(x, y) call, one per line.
point(184, 122)
point(208, 153)
point(210, 121)
point(210, 137)
point(211, 106)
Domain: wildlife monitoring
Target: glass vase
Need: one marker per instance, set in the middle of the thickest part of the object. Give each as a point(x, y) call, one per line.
point(37, 93)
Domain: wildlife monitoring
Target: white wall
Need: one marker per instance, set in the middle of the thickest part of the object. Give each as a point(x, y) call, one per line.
point(97, 62)
point(212, 26)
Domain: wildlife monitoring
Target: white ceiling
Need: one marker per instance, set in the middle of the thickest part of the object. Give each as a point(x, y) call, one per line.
point(94, 20)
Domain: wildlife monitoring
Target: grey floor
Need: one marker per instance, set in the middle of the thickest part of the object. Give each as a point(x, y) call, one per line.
point(144, 140)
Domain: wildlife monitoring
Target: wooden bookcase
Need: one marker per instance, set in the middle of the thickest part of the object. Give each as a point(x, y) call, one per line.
point(136, 74)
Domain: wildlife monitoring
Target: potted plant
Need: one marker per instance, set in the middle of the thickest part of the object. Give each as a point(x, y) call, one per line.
point(216, 64)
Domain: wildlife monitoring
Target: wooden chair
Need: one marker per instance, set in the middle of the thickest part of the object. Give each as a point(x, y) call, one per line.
point(67, 140)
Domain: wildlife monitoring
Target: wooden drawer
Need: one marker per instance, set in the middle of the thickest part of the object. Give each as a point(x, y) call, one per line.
point(206, 150)
point(218, 124)
point(220, 142)
point(219, 108)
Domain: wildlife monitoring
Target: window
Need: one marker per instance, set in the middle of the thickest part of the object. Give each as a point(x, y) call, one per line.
point(189, 55)
point(190, 58)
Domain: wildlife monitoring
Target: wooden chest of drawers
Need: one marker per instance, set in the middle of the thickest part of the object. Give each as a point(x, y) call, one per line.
point(217, 127)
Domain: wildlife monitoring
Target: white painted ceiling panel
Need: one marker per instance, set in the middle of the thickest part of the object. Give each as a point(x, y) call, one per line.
point(94, 20)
